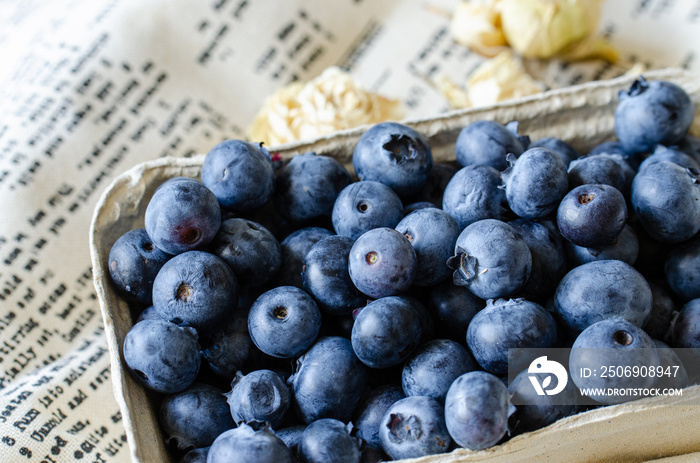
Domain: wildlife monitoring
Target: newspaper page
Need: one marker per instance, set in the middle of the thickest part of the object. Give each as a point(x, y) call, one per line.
point(88, 89)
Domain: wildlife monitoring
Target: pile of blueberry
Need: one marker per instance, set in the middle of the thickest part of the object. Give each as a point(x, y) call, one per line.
point(290, 312)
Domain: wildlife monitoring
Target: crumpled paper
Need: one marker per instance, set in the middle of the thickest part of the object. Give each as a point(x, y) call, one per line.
point(330, 102)
point(500, 78)
point(533, 28)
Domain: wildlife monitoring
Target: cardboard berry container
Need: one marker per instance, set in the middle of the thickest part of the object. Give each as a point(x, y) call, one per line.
point(582, 115)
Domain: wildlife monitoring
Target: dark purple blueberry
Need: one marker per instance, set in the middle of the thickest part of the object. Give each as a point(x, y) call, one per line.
point(535, 182)
point(290, 435)
point(414, 427)
point(686, 328)
point(624, 248)
point(230, 349)
point(382, 263)
point(671, 361)
point(663, 311)
point(600, 169)
point(488, 143)
point(682, 269)
point(182, 215)
point(601, 290)
point(325, 276)
point(592, 215)
point(134, 262)
point(395, 155)
point(453, 307)
point(434, 188)
point(672, 154)
point(690, 145)
point(651, 113)
point(328, 381)
point(475, 193)
point(491, 259)
point(149, 313)
point(433, 366)
point(246, 444)
point(306, 187)
point(432, 233)
point(284, 322)
point(363, 206)
point(549, 263)
point(252, 252)
point(371, 410)
point(566, 152)
point(194, 417)
point(196, 289)
point(477, 410)
point(386, 331)
point(261, 395)
point(666, 199)
point(533, 411)
point(327, 440)
point(417, 206)
point(616, 344)
point(162, 356)
point(294, 248)
point(240, 174)
point(509, 324)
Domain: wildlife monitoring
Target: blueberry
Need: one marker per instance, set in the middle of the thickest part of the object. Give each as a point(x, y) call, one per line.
point(261, 395)
point(417, 206)
point(134, 262)
point(196, 289)
point(432, 233)
point(672, 154)
point(294, 248)
point(325, 276)
point(230, 349)
point(246, 443)
point(600, 290)
point(600, 169)
point(328, 381)
point(615, 150)
point(663, 311)
point(624, 248)
point(682, 269)
point(328, 440)
point(690, 145)
point(414, 427)
point(434, 188)
point(671, 361)
point(195, 456)
point(433, 366)
point(535, 182)
point(290, 435)
point(395, 155)
point(362, 206)
point(613, 343)
point(477, 410)
point(666, 199)
point(453, 307)
point(686, 328)
point(382, 262)
point(284, 322)
point(240, 174)
point(533, 411)
point(182, 215)
point(488, 143)
point(508, 324)
point(549, 263)
point(386, 331)
point(492, 259)
point(371, 410)
point(252, 252)
point(306, 187)
point(162, 356)
point(194, 417)
point(651, 113)
point(475, 193)
point(566, 152)
point(592, 215)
